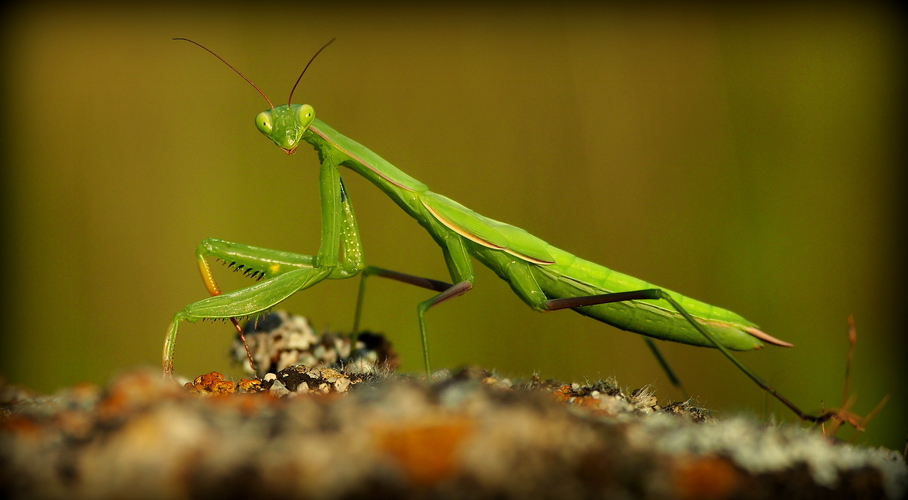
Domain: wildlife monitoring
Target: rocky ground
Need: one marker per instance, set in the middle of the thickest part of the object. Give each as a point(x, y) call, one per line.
point(354, 428)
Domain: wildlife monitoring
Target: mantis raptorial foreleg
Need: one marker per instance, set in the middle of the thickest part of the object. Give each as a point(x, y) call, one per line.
point(245, 302)
point(339, 256)
point(254, 262)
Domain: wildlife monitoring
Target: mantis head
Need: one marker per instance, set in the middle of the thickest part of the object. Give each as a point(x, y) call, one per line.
point(285, 124)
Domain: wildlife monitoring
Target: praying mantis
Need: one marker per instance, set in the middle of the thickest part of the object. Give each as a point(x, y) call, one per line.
point(545, 277)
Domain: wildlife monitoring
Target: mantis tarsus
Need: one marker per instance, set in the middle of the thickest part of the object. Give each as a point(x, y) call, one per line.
point(545, 277)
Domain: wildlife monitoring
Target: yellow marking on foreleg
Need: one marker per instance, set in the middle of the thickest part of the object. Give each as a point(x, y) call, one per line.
point(207, 277)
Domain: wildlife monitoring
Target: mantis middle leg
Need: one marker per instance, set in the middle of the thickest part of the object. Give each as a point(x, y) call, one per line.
point(458, 260)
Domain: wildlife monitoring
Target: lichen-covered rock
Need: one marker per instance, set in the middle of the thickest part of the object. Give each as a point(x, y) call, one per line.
point(279, 340)
point(326, 433)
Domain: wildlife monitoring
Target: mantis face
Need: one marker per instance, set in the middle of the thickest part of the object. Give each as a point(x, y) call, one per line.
point(285, 124)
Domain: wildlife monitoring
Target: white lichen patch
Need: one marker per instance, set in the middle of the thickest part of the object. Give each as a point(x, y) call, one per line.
point(763, 449)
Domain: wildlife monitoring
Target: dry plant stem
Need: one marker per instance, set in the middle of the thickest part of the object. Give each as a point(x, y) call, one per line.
point(844, 414)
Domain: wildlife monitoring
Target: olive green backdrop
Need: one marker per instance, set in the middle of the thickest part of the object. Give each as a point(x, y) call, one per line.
point(750, 158)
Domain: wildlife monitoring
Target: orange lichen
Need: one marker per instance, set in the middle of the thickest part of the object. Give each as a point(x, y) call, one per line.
point(705, 478)
point(130, 391)
point(562, 394)
point(21, 425)
point(247, 385)
point(426, 450)
point(211, 384)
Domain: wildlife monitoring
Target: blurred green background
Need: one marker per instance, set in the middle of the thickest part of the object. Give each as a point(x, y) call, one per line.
point(748, 157)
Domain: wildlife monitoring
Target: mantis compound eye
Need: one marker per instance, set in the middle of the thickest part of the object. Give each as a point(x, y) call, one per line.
point(306, 115)
point(263, 123)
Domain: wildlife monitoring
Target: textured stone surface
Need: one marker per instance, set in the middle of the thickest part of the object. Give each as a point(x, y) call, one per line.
point(325, 433)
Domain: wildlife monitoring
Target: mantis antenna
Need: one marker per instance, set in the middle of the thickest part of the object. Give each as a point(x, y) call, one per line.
point(289, 99)
point(231, 67)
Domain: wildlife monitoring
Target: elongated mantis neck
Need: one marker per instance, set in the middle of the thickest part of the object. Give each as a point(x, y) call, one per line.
point(360, 159)
point(289, 124)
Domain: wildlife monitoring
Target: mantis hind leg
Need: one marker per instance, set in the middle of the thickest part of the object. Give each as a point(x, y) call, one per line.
point(656, 294)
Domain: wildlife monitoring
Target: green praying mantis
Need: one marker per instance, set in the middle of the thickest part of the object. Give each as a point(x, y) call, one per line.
point(545, 277)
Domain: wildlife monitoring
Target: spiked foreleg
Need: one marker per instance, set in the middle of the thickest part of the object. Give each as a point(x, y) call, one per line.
point(254, 262)
point(287, 273)
point(258, 263)
point(246, 302)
